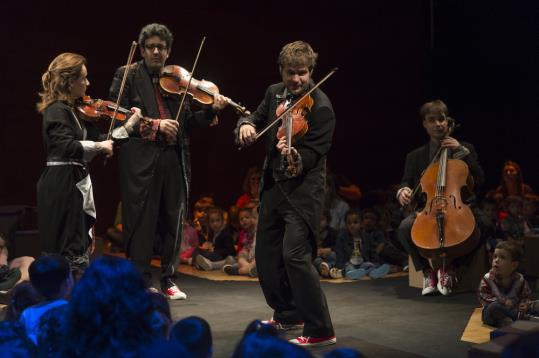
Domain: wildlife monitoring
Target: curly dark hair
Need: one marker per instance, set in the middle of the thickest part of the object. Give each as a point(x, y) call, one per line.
point(151, 30)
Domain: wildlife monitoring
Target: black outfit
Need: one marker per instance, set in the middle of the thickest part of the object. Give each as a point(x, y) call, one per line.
point(66, 211)
point(155, 176)
point(289, 217)
point(416, 162)
point(223, 246)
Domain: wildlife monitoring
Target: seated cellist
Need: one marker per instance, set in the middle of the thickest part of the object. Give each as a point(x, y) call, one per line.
point(438, 276)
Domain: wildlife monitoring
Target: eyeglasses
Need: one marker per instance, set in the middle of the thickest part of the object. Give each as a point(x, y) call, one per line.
point(159, 47)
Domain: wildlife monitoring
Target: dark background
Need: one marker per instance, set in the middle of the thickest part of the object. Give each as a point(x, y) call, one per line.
point(481, 57)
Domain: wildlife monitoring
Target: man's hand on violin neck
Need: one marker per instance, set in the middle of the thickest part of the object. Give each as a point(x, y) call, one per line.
point(220, 102)
point(281, 146)
point(247, 134)
point(168, 127)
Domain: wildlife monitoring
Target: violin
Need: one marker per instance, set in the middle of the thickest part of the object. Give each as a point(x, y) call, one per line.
point(294, 124)
point(94, 110)
point(175, 80)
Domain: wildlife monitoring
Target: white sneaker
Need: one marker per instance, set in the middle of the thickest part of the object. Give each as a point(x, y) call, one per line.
point(314, 341)
point(335, 273)
point(172, 291)
point(324, 269)
point(429, 283)
point(445, 283)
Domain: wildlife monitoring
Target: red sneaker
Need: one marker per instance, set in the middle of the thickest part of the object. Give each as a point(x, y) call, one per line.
point(284, 326)
point(445, 282)
point(314, 341)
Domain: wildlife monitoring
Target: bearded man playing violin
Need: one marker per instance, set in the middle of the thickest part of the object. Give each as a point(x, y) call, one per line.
point(155, 161)
point(438, 275)
point(291, 199)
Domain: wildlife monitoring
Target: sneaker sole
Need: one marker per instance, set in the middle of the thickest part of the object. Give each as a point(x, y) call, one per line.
point(174, 298)
point(329, 342)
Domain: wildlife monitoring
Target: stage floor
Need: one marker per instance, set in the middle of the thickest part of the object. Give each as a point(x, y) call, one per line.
point(380, 318)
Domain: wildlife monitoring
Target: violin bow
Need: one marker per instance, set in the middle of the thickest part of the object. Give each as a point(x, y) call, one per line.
point(190, 79)
point(122, 86)
point(295, 103)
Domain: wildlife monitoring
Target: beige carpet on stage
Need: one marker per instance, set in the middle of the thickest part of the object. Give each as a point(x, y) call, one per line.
point(476, 331)
point(219, 275)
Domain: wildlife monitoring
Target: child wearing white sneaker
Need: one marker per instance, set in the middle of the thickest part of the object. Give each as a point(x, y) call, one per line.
point(358, 250)
point(503, 292)
point(326, 256)
point(218, 250)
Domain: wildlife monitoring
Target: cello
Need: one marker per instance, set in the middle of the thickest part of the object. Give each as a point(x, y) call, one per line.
point(445, 227)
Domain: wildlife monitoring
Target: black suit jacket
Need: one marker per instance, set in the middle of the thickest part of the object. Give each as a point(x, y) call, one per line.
point(138, 156)
point(305, 192)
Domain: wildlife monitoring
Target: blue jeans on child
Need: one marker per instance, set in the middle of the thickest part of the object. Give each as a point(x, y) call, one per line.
point(355, 272)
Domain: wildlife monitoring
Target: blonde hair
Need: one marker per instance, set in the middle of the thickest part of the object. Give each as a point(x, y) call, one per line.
point(56, 81)
point(298, 53)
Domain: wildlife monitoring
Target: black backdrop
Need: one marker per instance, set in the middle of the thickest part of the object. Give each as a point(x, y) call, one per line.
point(393, 55)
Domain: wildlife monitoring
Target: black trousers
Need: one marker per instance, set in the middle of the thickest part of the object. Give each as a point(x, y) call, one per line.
point(160, 218)
point(288, 279)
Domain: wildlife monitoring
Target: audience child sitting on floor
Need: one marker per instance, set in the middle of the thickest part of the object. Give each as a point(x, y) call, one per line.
point(23, 296)
point(14, 271)
point(358, 251)
point(325, 255)
point(513, 226)
point(51, 277)
point(503, 292)
point(188, 244)
point(217, 249)
point(494, 235)
point(194, 333)
point(530, 208)
point(246, 264)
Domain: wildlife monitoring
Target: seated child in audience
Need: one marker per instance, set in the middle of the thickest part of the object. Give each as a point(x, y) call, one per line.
point(13, 272)
point(371, 230)
point(246, 245)
point(14, 342)
point(188, 244)
point(491, 210)
point(358, 251)
point(52, 332)
point(325, 256)
point(503, 292)
point(264, 342)
point(514, 226)
point(530, 211)
point(218, 249)
point(194, 334)
point(22, 296)
point(51, 277)
point(200, 217)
